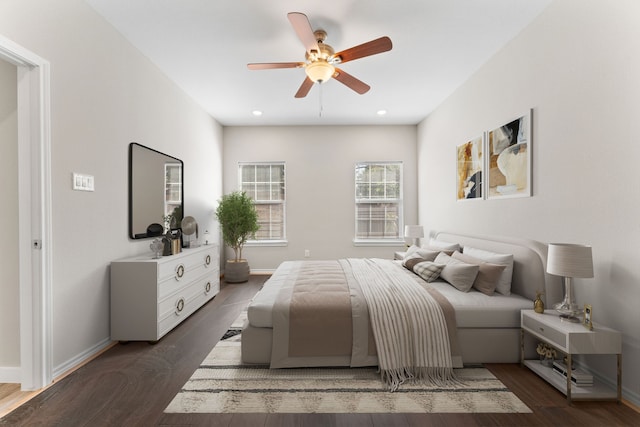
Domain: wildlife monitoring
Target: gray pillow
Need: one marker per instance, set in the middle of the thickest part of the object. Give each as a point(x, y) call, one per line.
point(427, 254)
point(488, 273)
point(504, 283)
point(442, 245)
point(459, 274)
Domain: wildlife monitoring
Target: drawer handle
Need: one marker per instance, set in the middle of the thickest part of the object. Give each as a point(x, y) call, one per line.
point(179, 272)
point(207, 288)
point(180, 305)
point(207, 260)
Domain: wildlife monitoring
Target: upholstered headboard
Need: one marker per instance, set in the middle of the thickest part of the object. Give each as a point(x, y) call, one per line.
point(529, 263)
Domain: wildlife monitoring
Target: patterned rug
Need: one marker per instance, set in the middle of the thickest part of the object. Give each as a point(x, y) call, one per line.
point(222, 384)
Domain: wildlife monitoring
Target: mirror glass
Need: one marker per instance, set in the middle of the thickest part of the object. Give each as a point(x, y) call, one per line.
point(155, 192)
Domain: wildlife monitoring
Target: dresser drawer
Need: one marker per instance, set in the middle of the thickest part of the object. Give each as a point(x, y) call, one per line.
point(543, 330)
point(174, 275)
point(175, 308)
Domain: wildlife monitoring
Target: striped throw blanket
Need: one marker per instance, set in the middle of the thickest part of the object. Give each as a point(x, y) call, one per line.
point(408, 325)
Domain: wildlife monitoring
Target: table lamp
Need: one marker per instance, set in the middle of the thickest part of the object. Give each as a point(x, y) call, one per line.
point(569, 260)
point(414, 231)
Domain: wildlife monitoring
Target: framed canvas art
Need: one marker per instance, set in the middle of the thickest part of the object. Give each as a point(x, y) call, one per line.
point(509, 159)
point(469, 168)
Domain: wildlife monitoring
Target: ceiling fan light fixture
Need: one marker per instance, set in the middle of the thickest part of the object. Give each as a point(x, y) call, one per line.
point(319, 71)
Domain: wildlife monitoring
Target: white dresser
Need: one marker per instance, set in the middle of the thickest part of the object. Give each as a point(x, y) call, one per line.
point(149, 297)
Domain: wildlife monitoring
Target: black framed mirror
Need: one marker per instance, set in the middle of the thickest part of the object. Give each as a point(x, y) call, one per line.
point(156, 192)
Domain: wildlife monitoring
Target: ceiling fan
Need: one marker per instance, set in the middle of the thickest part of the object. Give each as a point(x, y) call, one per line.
point(321, 60)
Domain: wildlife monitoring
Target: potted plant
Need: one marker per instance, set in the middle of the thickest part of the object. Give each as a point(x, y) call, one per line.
point(239, 221)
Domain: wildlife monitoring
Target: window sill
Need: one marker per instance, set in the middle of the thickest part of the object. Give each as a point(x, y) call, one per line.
point(373, 242)
point(266, 243)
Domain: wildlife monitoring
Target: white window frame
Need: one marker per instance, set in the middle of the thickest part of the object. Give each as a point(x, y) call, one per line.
point(391, 241)
point(268, 242)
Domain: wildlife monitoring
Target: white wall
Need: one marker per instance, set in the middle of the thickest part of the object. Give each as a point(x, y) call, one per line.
point(320, 183)
point(9, 289)
point(104, 95)
point(577, 66)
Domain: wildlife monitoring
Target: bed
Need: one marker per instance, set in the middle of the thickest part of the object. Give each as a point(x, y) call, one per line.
point(486, 326)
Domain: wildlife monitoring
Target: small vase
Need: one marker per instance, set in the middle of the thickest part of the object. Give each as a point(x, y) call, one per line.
point(538, 305)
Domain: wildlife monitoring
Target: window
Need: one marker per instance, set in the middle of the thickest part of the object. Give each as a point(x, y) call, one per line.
point(172, 188)
point(378, 201)
point(264, 183)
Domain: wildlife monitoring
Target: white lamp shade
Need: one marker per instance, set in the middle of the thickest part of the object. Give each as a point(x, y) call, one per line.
point(569, 260)
point(320, 71)
point(413, 231)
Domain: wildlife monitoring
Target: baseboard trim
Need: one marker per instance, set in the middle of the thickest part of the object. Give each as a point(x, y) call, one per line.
point(81, 359)
point(10, 375)
point(261, 272)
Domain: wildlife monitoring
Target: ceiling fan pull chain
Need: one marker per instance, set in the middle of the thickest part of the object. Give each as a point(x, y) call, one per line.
point(320, 98)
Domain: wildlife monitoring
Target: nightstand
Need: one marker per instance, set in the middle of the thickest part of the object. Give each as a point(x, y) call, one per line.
point(399, 255)
point(571, 339)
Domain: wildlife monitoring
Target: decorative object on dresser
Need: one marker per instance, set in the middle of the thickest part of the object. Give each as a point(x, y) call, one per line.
point(151, 296)
point(238, 222)
point(414, 232)
point(571, 339)
point(189, 232)
point(538, 304)
point(569, 260)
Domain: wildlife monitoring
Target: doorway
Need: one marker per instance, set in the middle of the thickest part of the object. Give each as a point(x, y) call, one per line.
point(34, 213)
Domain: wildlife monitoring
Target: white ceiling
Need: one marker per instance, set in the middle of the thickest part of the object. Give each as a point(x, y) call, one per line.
point(204, 46)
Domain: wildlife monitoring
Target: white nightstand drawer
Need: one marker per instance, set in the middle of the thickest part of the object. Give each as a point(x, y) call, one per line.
point(555, 336)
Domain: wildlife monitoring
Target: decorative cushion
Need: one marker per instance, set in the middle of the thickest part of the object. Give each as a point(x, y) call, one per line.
point(504, 283)
point(459, 274)
point(428, 270)
point(427, 254)
point(488, 273)
point(410, 260)
point(439, 244)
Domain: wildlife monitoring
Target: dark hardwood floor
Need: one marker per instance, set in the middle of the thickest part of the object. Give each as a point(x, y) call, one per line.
point(130, 385)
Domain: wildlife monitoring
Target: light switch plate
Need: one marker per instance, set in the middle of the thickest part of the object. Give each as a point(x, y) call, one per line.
point(82, 182)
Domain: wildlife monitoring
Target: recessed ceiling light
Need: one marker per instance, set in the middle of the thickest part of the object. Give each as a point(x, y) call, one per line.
point(256, 113)
point(381, 112)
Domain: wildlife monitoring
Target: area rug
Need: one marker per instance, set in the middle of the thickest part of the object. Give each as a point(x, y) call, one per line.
point(222, 384)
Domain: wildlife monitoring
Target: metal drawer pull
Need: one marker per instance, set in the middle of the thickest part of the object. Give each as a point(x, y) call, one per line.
point(207, 260)
point(207, 288)
point(179, 272)
point(180, 305)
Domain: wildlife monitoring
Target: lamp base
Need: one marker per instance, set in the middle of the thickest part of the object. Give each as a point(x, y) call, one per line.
point(568, 308)
point(568, 311)
point(569, 318)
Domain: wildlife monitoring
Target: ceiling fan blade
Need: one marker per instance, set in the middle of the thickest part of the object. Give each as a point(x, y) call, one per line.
point(272, 65)
point(303, 29)
point(351, 82)
point(306, 86)
point(373, 47)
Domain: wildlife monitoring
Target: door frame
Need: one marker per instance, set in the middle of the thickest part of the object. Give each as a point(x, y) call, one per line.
point(34, 213)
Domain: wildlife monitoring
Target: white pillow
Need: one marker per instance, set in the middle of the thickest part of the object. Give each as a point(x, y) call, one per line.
point(504, 283)
point(459, 274)
point(439, 244)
